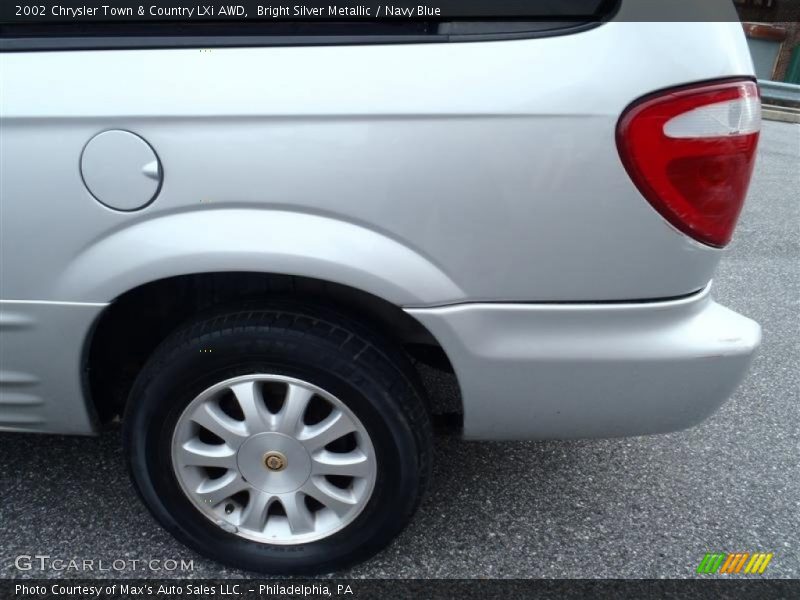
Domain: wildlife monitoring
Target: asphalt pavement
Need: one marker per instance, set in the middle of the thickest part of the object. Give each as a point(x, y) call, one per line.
point(647, 507)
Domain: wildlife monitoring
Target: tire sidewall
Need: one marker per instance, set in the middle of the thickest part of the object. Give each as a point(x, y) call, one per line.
point(175, 380)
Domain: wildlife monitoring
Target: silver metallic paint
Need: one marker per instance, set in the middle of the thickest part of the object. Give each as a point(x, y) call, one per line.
point(592, 370)
point(41, 356)
point(424, 174)
point(492, 161)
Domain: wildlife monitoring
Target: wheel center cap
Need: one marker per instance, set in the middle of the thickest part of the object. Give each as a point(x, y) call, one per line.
point(273, 462)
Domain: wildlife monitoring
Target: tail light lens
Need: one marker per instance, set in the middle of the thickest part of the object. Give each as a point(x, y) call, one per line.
point(691, 152)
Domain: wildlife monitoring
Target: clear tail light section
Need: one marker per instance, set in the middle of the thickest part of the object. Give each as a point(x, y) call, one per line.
point(691, 152)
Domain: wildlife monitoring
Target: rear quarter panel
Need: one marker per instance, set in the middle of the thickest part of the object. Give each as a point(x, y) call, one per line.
point(493, 164)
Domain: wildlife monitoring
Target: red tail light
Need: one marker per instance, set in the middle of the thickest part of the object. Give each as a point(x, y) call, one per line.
point(691, 152)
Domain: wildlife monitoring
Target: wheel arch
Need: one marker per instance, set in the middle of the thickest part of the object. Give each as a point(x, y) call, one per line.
point(254, 240)
point(131, 327)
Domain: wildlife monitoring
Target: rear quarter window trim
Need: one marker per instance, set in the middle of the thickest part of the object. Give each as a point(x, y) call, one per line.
point(58, 38)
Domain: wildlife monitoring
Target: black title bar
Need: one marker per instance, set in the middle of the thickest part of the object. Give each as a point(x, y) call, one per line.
point(75, 12)
point(251, 589)
point(120, 12)
point(12, 12)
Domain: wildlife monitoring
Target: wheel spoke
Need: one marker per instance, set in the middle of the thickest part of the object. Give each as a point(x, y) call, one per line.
point(214, 491)
point(211, 417)
point(334, 426)
point(351, 464)
point(254, 516)
point(323, 491)
point(257, 457)
point(294, 407)
point(194, 452)
point(256, 416)
point(300, 518)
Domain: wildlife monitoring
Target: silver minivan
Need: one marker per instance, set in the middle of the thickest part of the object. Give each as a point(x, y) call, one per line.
point(245, 246)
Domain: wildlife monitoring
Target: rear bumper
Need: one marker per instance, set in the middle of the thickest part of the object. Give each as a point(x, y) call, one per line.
point(543, 371)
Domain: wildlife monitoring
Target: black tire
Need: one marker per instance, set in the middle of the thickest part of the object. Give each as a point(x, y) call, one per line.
point(368, 373)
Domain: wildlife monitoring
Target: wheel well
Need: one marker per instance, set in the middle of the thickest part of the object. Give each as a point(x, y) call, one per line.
point(131, 328)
